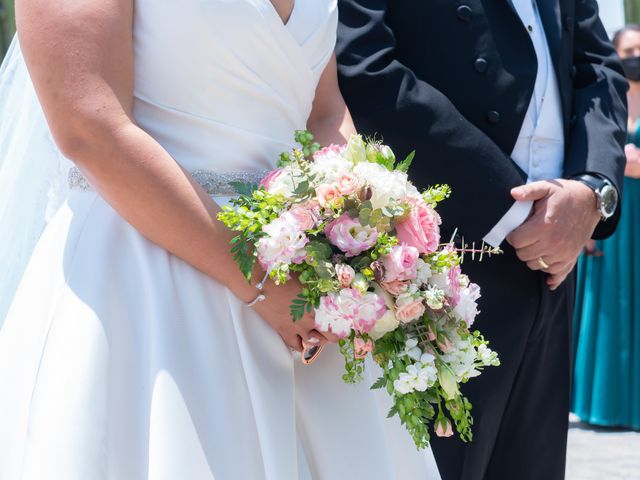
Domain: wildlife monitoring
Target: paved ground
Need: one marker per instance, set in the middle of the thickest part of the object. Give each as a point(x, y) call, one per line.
point(602, 454)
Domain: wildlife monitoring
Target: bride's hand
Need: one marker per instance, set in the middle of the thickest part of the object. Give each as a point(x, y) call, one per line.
point(275, 311)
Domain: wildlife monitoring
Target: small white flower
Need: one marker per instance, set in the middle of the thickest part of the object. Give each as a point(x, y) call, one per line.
point(424, 272)
point(427, 359)
point(418, 377)
point(404, 384)
point(434, 297)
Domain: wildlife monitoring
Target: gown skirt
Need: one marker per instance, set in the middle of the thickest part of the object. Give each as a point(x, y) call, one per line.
point(119, 361)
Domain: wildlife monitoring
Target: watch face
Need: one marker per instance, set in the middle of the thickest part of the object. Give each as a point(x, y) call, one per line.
point(609, 198)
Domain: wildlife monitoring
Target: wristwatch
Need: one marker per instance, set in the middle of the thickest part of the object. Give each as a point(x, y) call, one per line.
point(606, 194)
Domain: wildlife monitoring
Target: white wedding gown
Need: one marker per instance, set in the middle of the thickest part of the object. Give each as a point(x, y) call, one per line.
point(118, 360)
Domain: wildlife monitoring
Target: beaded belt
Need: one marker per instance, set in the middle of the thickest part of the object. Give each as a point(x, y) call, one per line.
point(214, 183)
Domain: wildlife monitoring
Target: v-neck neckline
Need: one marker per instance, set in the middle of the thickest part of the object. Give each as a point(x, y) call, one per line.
point(285, 23)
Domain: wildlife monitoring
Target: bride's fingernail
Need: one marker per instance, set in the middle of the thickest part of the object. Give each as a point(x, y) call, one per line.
point(313, 340)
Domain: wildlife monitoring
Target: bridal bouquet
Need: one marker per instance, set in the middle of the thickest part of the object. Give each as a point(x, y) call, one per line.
point(365, 245)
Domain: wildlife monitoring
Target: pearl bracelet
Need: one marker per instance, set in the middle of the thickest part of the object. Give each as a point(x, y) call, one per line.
point(261, 296)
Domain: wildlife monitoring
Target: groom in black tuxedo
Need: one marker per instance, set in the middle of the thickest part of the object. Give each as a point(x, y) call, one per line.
point(492, 95)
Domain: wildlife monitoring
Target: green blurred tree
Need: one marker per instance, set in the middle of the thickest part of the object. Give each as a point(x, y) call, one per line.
point(7, 25)
point(632, 11)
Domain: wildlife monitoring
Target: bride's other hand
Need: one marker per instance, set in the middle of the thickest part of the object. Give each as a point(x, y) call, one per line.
point(275, 311)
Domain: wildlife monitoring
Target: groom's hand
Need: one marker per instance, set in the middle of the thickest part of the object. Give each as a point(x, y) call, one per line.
point(563, 219)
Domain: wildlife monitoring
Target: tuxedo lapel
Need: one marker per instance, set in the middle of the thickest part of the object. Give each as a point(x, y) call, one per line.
point(551, 19)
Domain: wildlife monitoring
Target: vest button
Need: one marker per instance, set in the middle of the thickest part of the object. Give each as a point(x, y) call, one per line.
point(493, 117)
point(464, 13)
point(481, 65)
point(574, 72)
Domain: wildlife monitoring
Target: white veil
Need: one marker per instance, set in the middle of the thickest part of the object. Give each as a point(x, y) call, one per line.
point(33, 173)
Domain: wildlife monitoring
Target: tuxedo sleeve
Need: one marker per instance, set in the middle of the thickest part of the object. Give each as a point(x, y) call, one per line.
point(386, 97)
point(596, 142)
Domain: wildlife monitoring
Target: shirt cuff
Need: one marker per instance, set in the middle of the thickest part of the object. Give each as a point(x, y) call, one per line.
point(511, 220)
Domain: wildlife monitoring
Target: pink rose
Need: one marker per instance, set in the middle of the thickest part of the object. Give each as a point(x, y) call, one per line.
point(395, 287)
point(350, 236)
point(346, 274)
point(361, 348)
point(410, 312)
point(304, 216)
point(330, 151)
point(348, 183)
point(269, 178)
point(444, 428)
point(421, 229)
point(326, 194)
point(401, 263)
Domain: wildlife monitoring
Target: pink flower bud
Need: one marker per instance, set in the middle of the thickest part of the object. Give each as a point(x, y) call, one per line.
point(443, 427)
point(346, 274)
point(361, 348)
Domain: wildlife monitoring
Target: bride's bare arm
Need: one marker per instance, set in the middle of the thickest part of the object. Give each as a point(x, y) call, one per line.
point(79, 54)
point(330, 120)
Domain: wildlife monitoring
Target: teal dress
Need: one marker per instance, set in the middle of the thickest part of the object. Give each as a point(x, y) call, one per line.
point(606, 333)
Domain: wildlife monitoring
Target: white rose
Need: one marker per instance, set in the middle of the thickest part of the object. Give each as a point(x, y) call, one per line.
point(329, 167)
point(285, 183)
point(385, 186)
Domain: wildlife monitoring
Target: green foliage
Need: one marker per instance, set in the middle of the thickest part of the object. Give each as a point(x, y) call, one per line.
point(243, 254)
point(406, 163)
point(299, 306)
point(253, 209)
point(242, 188)
point(7, 25)
point(436, 194)
point(354, 367)
point(305, 139)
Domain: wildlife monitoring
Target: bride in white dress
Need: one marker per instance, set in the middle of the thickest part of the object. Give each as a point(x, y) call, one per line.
point(129, 351)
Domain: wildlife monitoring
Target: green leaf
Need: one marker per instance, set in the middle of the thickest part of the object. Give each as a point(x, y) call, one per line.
point(393, 411)
point(302, 188)
point(379, 383)
point(364, 216)
point(406, 163)
point(299, 306)
point(242, 188)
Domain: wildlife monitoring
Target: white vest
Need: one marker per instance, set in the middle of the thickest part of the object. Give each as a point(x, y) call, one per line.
point(539, 150)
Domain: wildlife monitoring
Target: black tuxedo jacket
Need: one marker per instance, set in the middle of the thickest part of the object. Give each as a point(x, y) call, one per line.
point(453, 79)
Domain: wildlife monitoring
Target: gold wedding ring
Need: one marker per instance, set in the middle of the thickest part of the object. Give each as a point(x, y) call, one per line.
point(542, 263)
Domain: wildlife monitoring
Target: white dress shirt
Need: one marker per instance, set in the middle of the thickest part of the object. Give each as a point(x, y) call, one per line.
point(539, 150)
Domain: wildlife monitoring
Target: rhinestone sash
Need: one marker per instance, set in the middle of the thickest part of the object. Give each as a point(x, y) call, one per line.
point(216, 184)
